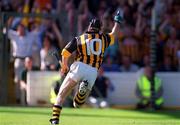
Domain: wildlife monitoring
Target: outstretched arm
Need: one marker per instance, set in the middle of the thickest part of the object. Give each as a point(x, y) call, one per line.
point(119, 20)
point(115, 30)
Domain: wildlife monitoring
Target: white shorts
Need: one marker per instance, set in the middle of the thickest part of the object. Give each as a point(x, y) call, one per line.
point(18, 68)
point(80, 71)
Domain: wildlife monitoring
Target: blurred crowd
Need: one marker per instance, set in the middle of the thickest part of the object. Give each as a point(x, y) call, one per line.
point(130, 52)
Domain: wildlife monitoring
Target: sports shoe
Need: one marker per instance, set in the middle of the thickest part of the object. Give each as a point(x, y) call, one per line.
point(54, 122)
point(75, 105)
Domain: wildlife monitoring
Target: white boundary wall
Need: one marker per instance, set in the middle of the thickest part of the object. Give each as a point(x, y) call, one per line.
point(39, 84)
point(125, 83)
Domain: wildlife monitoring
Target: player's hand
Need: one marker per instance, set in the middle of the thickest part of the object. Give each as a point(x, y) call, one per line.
point(64, 69)
point(119, 17)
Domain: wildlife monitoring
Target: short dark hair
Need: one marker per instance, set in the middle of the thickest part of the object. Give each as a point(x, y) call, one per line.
point(95, 24)
point(29, 57)
point(21, 25)
point(48, 38)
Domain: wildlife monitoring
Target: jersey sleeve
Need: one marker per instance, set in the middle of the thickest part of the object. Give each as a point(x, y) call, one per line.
point(110, 38)
point(12, 34)
point(69, 48)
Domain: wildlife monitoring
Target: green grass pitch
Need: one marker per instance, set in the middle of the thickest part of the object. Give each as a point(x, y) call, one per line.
point(87, 116)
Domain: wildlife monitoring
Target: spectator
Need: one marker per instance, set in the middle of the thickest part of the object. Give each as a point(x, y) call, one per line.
point(34, 27)
point(146, 61)
point(178, 52)
point(84, 16)
point(171, 45)
point(64, 22)
point(107, 22)
point(98, 94)
point(51, 30)
point(22, 42)
point(5, 6)
point(148, 93)
point(43, 4)
point(48, 62)
point(167, 65)
point(129, 45)
point(144, 42)
point(178, 56)
point(136, 33)
point(71, 16)
point(127, 65)
point(23, 81)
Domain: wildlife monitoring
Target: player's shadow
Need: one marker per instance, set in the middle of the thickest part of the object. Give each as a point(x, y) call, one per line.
point(108, 116)
point(171, 113)
point(162, 112)
point(25, 112)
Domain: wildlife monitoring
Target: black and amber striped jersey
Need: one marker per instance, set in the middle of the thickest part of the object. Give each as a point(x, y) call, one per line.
point(89, 47)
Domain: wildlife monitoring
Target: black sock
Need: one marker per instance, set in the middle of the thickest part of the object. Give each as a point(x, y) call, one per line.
point(56, 112)
point(80, 99)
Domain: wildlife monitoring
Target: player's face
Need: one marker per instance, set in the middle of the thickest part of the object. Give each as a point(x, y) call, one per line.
point(21, 30)
point(148, 72)
point(28, 63)
point(47, 43)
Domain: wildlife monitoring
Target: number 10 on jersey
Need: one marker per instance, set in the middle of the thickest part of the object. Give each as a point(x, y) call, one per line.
point(90, 46)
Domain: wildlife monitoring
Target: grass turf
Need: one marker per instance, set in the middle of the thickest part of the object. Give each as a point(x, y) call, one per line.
point(86, 116)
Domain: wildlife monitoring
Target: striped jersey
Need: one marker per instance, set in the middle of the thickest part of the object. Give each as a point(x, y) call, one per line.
point(89, 47)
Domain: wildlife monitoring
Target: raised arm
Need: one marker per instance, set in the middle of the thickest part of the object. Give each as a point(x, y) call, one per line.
point(119, 19)
point(58, 35)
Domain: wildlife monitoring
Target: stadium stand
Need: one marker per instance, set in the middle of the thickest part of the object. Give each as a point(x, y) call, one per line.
point(135, 35)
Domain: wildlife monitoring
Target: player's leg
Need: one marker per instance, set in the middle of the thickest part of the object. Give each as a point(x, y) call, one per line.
point(81, 95)
point(18, 68)
point(143, 103)
point(66, 87)
point(71, 80)
point(158, 103)
point(85, 86)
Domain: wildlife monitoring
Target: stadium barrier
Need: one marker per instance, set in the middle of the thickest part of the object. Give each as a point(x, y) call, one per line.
point(39, 85)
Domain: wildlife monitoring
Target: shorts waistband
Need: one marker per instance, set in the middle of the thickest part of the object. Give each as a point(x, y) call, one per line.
point(86, 64)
